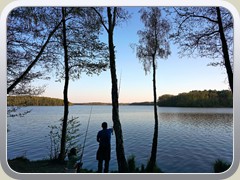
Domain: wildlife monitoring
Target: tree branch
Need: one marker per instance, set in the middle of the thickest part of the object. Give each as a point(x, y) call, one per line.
point(192, 15)
point(205, 35)
point(11, 87)
point(101, 19)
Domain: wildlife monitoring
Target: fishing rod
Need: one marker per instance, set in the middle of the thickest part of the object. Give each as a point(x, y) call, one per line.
point(119, 86)
point(84, 142)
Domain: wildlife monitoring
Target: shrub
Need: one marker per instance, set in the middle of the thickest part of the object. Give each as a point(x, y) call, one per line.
point(221, 166)
point(133, 169)
point(131, 164)
point(72, 138)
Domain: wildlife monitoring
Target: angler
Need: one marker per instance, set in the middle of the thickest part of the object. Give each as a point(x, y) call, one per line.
point(104, 150)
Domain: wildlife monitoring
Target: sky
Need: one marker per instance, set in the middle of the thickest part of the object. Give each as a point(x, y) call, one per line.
point(174, 75)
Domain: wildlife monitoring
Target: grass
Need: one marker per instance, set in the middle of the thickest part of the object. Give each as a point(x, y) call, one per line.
point(23, 165)
point(133, 169)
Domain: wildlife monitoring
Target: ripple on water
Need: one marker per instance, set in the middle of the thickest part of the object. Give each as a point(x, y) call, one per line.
point(189, 140)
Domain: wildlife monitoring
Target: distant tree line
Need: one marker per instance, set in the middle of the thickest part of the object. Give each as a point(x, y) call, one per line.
point(33, 101)
point(206, 98)
point(142, 103)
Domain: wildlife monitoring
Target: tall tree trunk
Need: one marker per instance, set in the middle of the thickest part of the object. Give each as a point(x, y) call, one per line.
point(152, 161)
point(65, 92)
point(225, 49)
point(122, 163)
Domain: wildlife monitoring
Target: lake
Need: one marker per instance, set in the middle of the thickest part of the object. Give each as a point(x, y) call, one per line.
point(190, 139)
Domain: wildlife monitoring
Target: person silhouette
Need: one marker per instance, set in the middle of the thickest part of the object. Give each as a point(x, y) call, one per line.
point(72, 162)
point(104, 149)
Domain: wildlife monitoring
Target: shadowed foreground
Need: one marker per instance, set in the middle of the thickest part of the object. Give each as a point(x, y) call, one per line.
point(23, 165)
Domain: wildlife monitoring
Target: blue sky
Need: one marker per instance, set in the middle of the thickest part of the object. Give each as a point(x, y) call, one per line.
point(174, 75)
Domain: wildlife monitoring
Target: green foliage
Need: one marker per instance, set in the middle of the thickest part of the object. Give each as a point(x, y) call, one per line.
point(19, 164)
point(72, 138)
point(22, 158)
point(133, 169)
point(155, 169)
point(131, 164)
point(220, 166)
point(54, 136)
point(142, 103)
point(23, 165)
point(33, 101)
point(152, 45)
point(210, 98)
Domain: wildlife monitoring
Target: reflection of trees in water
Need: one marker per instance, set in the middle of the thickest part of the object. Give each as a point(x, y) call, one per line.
point(204, 120)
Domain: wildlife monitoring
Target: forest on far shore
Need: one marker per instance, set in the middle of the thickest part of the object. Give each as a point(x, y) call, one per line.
point(34, 101)
point(206, 98)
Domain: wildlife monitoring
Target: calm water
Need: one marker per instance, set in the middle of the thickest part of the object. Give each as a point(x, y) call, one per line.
point(190, 139)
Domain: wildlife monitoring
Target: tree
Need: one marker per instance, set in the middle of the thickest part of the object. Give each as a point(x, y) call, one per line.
point(65, 91)
point(82, 52)
point(71, 34)
point(207, 32)
point(206, 98)
point(153, 44)
point(29, 31)
point(114, 14)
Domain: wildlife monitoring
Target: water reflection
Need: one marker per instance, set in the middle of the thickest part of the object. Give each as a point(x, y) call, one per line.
point(195, 140)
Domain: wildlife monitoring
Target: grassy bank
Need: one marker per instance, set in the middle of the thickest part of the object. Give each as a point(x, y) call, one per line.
point(23, 165)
